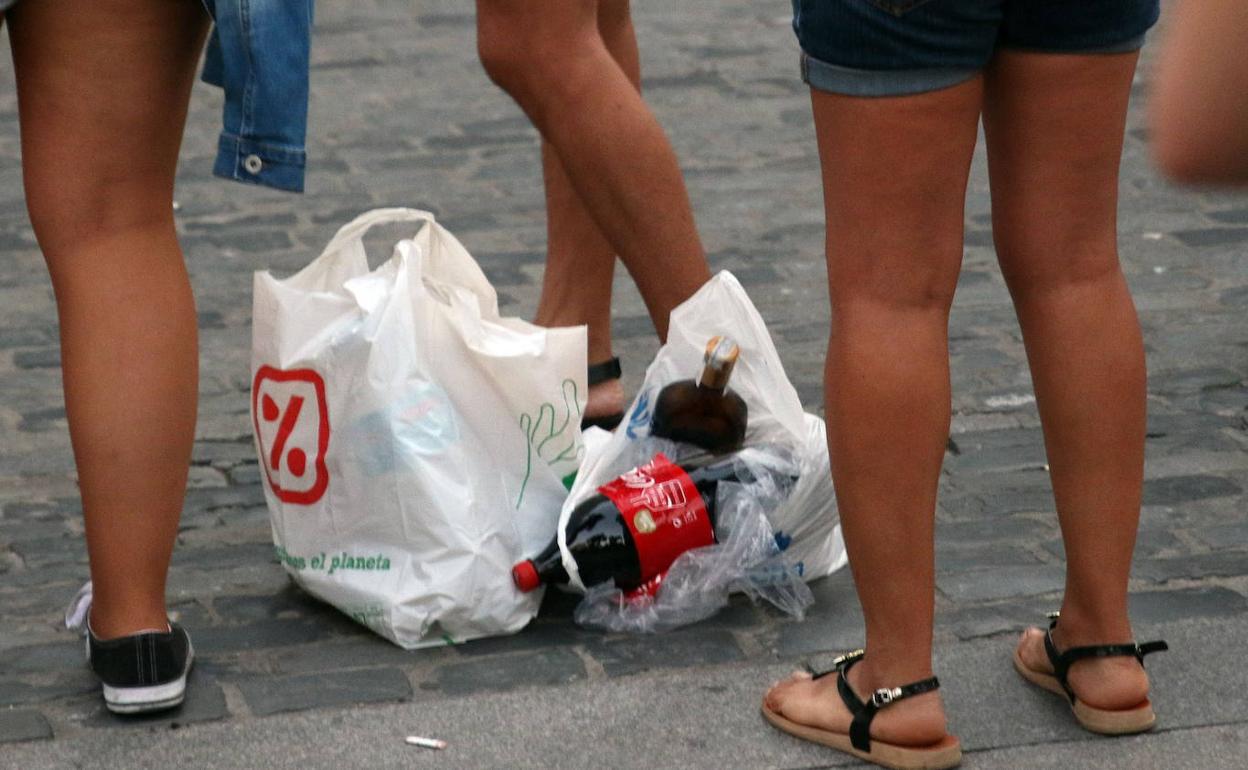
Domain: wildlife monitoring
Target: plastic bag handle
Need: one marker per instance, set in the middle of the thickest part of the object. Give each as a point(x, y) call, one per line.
point(356, 228)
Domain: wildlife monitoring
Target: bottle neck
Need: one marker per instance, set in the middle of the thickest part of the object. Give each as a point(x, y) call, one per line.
point(715, 377)
point(549, 564)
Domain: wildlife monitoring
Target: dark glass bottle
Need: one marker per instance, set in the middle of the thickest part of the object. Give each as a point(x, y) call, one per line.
point(637, 525)
point(704, 413)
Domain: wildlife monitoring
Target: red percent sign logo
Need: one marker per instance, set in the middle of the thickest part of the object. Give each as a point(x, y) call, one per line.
point(291, 483)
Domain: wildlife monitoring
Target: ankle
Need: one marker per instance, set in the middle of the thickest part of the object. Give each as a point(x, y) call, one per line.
point(1078, 626)
point(104, 625)
point(883, 671)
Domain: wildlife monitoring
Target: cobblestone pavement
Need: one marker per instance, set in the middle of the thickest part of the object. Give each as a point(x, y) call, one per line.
point(402, 114)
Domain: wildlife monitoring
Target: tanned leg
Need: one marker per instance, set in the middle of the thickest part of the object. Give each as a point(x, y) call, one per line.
point(1054, 126)
point(102, 94)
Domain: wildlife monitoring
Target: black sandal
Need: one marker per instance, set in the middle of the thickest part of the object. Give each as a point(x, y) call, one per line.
point(1137, 719)
point(945, 753)
point(598, 374)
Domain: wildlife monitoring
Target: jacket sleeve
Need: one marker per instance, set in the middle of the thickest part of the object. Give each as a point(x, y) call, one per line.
point(259, 55)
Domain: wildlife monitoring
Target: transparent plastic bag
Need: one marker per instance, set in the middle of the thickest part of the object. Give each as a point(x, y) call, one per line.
point(770, 539)
point(746, 557)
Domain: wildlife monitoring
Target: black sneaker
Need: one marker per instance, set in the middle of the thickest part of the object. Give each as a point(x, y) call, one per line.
point(143, 672)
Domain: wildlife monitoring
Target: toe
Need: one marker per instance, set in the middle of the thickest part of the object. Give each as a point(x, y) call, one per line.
point(1031, 650)
point(777, 693)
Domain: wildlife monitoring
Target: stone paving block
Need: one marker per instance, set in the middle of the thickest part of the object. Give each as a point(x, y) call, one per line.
point(541, 634)
point(994, 530)
point(1011, 500)
point(223, 557)
point(205, 702)
point(1237, 297)
point(24, 338)
point(1224, 535)
point(1193, 567)
point(54, 656)
point(365, 651)
point(291, 602)
point(1148, 543)
point(43, 688)
point(1181, 489)
point(262, 635)
point(40, 420)
point(336, 688)
point(1001, 582)
point(694, 646)
point(23, 725)
point(506, 672)
point(818, 636)
point(245, 474)
point(954, 559)
point(1238, 216)
point(974, 622)
point(54, 510)
point(45, 358)
point(1212, 236)
point(1158, 607)
point(1182, 381)
point(997, 459)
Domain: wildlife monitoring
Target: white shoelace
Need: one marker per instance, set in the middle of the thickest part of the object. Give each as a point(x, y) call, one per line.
point(79, 609)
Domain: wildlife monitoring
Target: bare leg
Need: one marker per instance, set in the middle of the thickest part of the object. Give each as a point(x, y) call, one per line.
point(1054, 125)
point(894, 180)
point(102, 93)
point(550, 57)
point(580, 263)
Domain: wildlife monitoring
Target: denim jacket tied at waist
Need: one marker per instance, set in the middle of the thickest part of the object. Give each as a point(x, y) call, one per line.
point(259, 55)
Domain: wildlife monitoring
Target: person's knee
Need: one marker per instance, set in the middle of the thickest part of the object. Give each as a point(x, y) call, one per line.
point(917, 288)
point(70, 215)
point(1050, 256)
point(529, 50)
point(909, 268)
point(614, 16)
point(500, 44)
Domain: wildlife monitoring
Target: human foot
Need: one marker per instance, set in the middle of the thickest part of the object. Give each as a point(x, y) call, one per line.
point(1106, 683)
point(909, 730)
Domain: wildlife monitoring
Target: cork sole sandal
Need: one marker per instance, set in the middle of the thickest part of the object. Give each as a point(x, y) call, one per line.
point(1137, 719)
point(858, 742)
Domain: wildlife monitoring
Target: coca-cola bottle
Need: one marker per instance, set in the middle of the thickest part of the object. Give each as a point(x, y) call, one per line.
point(638, 524)
point(704, 412)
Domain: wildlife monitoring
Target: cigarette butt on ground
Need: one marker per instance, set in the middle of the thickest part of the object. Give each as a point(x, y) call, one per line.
point(427, 743)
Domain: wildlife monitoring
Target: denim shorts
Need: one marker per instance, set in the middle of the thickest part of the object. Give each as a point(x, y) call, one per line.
point(897, 47)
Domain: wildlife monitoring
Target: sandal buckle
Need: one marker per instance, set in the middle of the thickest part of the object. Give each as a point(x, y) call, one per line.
point(848, 657)
point(884, 696)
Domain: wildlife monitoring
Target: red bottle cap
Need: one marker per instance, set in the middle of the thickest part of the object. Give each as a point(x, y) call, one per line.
point(525, 576)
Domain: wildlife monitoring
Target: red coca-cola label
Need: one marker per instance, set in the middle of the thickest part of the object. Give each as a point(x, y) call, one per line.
point(663, 511)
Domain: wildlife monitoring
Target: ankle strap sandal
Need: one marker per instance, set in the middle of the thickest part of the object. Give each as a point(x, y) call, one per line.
point(864, 711)
point(1061, 661)
point(1105, 721)
point(945, 753)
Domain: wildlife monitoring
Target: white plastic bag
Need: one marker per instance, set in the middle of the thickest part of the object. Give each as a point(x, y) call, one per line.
point(414, 443)
point(803, 523)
